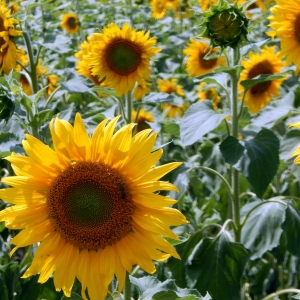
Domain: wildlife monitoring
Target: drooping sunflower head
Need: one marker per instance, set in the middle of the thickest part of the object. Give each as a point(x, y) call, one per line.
point(121, 56)
point(266, 62)
point(209, 93)
point(170, 86)
point(70, 22)
point(198, 61)
point(159, 9)
point(285, 23)
point(91, 204)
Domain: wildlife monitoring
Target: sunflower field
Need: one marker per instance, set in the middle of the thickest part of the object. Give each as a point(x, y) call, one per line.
point(149, 150)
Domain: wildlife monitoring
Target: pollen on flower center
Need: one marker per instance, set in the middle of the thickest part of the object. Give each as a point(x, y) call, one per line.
point(297, 28)
point(90, 205)
point(123, 57)
point(263, 67)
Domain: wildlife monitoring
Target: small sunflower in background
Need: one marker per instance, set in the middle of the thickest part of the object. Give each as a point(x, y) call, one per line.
point(91, 204)
point(196, 63)
point(26, 86)
point(206, 92)
point(159, 9)
point(174, 111)
point(266, 62)
point(141, 90)
point(120, 57)
point(170, 86)
point(8, 49)
point(52, 82)
point(141, 118)
point(285, 23)
point(70, 23)
point(173, 5)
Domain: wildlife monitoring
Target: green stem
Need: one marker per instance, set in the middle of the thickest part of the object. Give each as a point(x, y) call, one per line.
point(285, 291)
point(129, 107)
point(32, 63)
point(127, 288)
point(234, 132)
point(230, 192)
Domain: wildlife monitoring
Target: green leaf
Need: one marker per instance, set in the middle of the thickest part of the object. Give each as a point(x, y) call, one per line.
point(216, 265)
point(151, 288)
point(296, 296)
point(76, 85)
point(259, 80)
point(260, 163)
point(171, 128)
point(41, 117)
point(232, 71)
point(3, 289)
point(74, 296)
point(262, 229)
point(57, 43)
point(7, 140)
point(163, 98)
point(199, 119)
point(254, 47)
point(219, 79)
point(232, 150)
point(10, 275)
point(291, 227)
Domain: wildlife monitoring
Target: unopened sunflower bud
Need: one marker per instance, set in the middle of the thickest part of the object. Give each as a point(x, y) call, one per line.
point(225, 24)
point(7, 105)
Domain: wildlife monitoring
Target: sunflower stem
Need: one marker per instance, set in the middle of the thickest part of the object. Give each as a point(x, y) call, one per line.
point(129, 107)
point(32, 62)
point(127, 288)
point(234, 131)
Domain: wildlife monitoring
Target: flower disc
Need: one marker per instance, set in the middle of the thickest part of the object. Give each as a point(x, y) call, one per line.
point(123, 57)
point(90, 205)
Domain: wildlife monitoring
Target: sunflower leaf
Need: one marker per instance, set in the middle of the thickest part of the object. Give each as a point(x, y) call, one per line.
point(216, 265)
point(232, 150)
point(260, 162)
point(262, 229)
point(259, 80)
point(219, 79)
point(291, 227)
point(199, 119)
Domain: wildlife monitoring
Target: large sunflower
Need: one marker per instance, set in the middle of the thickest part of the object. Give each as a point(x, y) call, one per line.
point(285, 23)
point(196, 63)
point(70, 23)
point(121, 57)
point(8, 50)
point(91, 204)
point(266, 62)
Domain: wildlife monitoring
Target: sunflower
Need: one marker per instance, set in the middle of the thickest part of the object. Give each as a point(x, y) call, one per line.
point(173, 111)
point(91, 204)
point(141, 119)
point(70, 23)
point(52, 84)
point(170, 86)
point(285, 23)
point(196, 63)
point(159, 9)
point(209, 93)
point(121, 57)
point(266, 62)
point(205, 4)
point(26, 86)
point(173, 5)
point(141, 90)
point(8, 50)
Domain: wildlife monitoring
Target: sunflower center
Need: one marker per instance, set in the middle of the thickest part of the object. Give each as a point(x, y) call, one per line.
point(72, 22)
point(90, 205)
point(297, 28)
point(207, 63)
point(123, 57)
point(263, 67)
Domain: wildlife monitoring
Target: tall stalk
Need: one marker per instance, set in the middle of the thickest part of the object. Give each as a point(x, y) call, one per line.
point(235, 180)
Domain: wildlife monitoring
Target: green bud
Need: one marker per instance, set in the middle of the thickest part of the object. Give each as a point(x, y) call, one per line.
point(225, 24)
point(7, 104)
